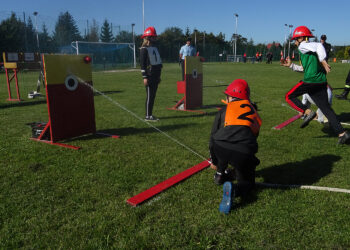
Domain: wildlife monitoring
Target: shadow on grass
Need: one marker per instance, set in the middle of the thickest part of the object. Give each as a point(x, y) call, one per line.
point(214, 86)
point(107, 92)
point(22, 104)
point(306, 172)
point(130, 131)
point(344, 117)
point(188, 114)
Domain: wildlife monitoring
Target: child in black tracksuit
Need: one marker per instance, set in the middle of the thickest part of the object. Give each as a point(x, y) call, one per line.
point(233, 141)
point(151, 67)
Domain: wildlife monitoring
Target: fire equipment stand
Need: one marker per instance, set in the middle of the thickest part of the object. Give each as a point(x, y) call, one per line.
point(192, 87)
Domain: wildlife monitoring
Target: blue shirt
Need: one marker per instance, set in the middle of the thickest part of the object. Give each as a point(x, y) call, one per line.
point(187, 51)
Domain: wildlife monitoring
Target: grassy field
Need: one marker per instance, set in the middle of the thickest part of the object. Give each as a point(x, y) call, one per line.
point(53, 197)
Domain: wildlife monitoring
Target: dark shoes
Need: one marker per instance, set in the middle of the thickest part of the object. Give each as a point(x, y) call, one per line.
point(227, 198)
point(342, 96)
point(308, 118)
point(151, 119)
point(345, 138)
point(219, 178)
point(228, 175)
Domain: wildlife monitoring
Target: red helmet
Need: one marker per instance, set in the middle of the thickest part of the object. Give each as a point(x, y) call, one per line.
point(238, 88)
point(301, 31)
point(150, 31)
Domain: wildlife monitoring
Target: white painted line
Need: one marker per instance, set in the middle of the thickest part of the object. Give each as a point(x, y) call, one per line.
point(329, 189)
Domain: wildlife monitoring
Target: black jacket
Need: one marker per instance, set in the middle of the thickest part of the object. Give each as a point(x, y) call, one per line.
point(151, 63)
point(234, 137)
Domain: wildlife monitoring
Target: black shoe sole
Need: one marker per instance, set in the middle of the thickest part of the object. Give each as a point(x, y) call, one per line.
point(308, 119)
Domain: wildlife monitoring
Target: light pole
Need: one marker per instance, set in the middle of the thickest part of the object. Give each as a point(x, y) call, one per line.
point(290, 32)
point(195, 38)
point(235, 57)
point(36, 29)
point(143, 14)
point(285, 41)
point(312, 30)
point(133, 41)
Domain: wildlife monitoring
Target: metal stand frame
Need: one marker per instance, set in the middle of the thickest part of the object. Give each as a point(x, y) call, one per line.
point(9, 78)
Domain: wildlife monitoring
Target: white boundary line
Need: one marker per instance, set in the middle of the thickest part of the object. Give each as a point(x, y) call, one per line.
point(270, 185)
point(329, 189)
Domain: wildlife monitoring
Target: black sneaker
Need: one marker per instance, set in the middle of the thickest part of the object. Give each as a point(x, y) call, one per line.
point(230, 174)
point(219, 178)
point(151, 119)
point(308, 119)
point(344, 139)
point(342, 96)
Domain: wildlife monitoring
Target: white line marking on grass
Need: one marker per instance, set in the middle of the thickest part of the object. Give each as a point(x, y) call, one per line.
point(287, 106)
point(344, 123)
point(142, 120)
point(329, 189)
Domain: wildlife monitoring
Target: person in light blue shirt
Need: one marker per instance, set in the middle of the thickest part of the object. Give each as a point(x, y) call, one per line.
point(186, 50)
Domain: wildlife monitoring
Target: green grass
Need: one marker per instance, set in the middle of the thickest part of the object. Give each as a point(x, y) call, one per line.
point(53, 197)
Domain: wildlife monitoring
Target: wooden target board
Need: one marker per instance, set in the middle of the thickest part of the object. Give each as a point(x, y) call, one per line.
point(194, 82)
point(70, 99)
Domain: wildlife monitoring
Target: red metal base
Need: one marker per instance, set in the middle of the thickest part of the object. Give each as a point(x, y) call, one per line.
point(56, 143)
point(108, 135)
point(285, 123)
point(47, 128)
point(149, 193)
point(182, 101)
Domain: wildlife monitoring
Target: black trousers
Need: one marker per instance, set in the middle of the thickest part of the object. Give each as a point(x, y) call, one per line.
point(244, 167)
point(151, 90)
point(347, 80)
point(318, 93)
point(183, 69)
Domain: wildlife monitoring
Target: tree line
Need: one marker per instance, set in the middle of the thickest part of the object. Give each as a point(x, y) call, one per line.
point(17, 35)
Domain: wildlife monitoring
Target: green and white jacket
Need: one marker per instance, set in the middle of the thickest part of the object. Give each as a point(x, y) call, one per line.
point(311, 56)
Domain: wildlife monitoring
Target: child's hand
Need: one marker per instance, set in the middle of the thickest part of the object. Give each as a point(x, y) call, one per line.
point(286, 63)
point(212, 166)
point(326, 66)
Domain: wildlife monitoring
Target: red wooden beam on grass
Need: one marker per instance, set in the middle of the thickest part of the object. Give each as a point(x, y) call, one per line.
point(149, 193)
point(285, 123)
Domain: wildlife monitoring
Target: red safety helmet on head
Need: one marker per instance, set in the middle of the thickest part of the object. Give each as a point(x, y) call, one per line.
point(238, 88)
point(150, 31)
point(301, 31)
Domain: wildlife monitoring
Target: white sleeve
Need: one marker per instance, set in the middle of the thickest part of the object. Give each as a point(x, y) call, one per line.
point(306, 47)
point(297, 68)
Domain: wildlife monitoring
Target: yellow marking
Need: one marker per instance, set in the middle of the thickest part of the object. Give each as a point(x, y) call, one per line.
point(193, 63)
point(58, 67)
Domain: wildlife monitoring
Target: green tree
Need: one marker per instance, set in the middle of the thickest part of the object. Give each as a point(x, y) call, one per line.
point(106, 32)
point(347, 53)
point(45, 41)
point(124, 37)
point(170, 42)
point(12, 32)
point(66, 30)
point(93, 34)
point(31, 42)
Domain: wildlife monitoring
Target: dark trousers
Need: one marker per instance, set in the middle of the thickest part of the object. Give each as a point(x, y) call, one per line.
point(318, 93)
point(244, 167)
point(151, 90)
point(183, 69)
point(347, 80)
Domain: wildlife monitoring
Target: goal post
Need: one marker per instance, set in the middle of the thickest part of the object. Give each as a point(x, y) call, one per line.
point(107, 56)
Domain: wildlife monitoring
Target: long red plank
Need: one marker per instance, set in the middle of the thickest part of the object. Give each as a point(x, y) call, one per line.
point(147, 194)
point(285, 123)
